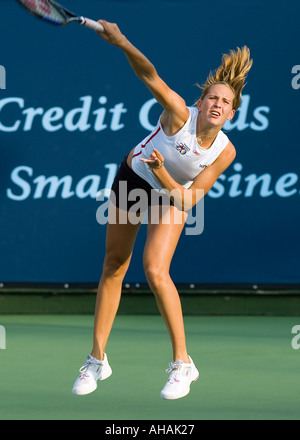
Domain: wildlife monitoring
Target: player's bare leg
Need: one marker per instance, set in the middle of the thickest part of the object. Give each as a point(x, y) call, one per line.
point(160, 246)
point(120, 240)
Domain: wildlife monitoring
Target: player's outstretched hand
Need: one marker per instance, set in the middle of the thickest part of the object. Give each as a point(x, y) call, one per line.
point(112, 33)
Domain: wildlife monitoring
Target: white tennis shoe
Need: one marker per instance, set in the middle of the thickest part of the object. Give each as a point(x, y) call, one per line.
point(180, 379)
point(91, 371)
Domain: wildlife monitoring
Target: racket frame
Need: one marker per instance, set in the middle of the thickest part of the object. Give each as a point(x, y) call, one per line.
point(69, 17)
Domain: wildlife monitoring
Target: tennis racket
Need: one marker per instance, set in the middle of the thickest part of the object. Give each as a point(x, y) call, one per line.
point(54, 13)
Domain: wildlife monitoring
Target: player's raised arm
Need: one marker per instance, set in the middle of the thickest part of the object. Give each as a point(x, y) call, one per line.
point(146, 72)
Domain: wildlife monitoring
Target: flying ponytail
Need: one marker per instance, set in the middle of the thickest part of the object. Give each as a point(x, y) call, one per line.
point(232, 72)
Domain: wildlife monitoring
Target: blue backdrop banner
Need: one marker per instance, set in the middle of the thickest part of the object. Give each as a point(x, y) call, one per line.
point(71, 108)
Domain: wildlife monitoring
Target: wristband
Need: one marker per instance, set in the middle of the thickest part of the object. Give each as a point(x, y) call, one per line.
point(157, 168)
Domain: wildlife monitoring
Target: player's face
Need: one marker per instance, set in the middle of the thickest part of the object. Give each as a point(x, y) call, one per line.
point(216, 106)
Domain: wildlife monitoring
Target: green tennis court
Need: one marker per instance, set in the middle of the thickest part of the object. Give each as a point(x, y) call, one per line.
point(248, 369)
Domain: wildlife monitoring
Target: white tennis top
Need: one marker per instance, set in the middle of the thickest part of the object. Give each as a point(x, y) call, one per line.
point(184, 157)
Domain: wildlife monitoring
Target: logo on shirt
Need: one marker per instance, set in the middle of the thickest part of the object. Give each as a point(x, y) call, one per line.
point(202, 166)
point(182, 148)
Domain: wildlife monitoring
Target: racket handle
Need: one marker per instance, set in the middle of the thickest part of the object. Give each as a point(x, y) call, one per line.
point(92, 24)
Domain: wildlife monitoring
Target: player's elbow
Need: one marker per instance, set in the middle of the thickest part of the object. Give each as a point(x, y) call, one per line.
point(185, 200)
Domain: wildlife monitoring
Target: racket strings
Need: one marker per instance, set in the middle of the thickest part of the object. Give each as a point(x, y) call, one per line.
point(44, 9)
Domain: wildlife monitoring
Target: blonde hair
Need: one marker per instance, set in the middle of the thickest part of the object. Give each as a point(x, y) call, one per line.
point(232, 72)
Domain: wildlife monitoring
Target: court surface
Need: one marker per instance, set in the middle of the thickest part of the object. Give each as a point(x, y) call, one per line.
point(248, 369)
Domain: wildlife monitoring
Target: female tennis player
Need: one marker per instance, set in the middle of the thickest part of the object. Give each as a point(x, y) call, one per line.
point(184, 155)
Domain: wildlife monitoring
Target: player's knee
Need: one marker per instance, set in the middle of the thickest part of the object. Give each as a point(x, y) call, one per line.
point(114, 266)
point(155, 275)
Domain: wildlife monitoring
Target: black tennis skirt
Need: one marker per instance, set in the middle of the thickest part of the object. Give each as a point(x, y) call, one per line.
point(129, 188)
